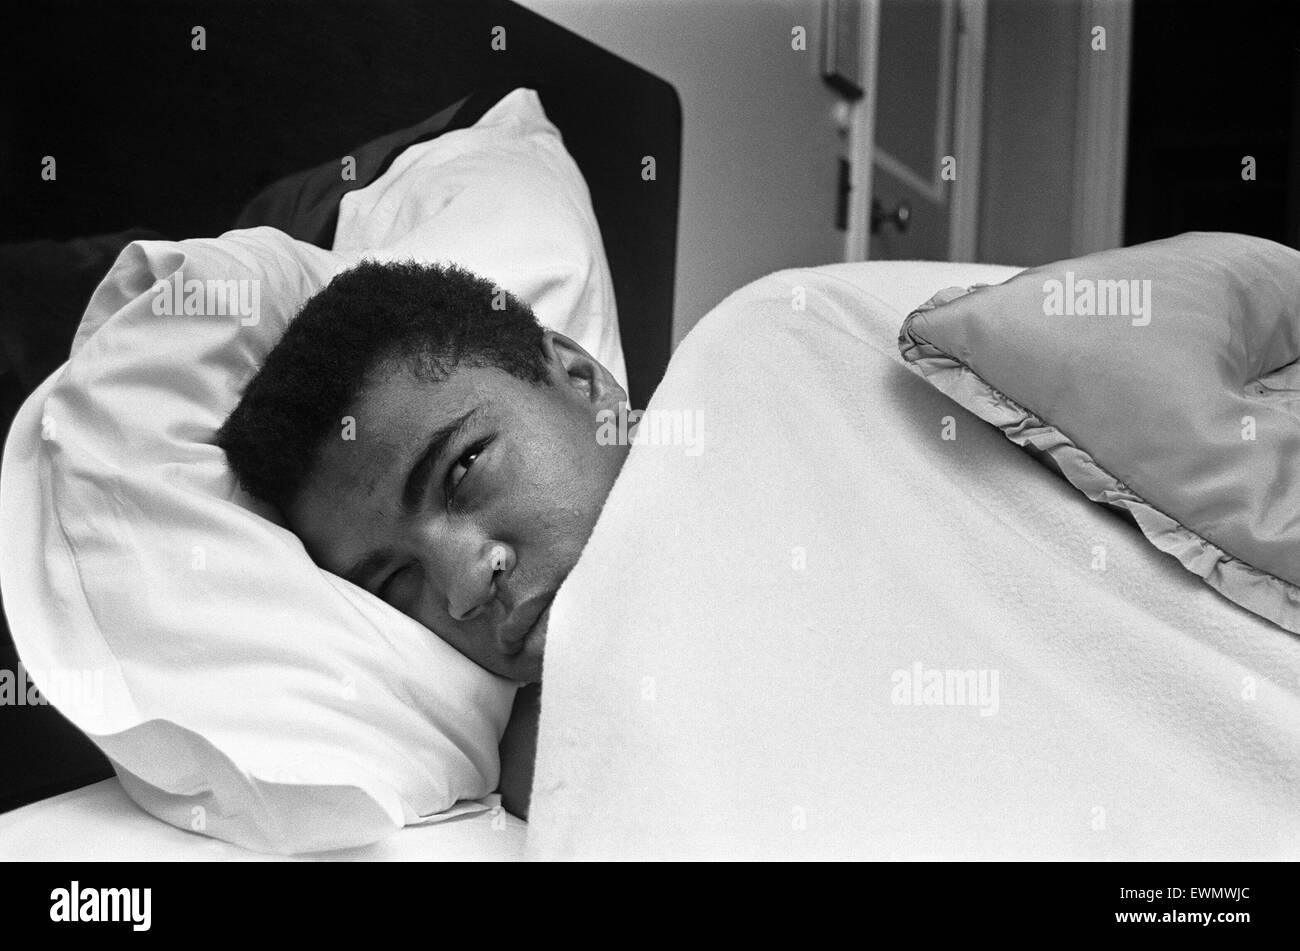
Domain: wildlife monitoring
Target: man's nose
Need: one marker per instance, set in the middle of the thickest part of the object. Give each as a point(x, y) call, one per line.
point(474, 582)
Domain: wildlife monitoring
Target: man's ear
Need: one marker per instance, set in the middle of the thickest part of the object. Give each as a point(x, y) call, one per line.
point(574, 367)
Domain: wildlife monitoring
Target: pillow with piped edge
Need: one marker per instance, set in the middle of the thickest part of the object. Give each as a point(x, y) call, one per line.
point(1161, 380)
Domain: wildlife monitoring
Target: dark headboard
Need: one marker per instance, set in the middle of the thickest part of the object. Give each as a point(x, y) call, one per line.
point(148, 132)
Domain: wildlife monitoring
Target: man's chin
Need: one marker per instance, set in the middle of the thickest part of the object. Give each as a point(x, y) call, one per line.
point(526, 666)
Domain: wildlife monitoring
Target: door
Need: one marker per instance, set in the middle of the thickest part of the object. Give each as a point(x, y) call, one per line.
point(929, 65)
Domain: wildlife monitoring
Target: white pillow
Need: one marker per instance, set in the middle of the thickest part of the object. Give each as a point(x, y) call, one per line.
point(503, 199)
point(239, 690)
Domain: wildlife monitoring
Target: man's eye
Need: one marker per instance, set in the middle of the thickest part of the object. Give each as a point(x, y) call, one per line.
point(461, 468)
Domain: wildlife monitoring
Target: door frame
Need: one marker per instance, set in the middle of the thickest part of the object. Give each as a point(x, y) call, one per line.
point(1101, 131)
point(968, 129)
point(862, 139)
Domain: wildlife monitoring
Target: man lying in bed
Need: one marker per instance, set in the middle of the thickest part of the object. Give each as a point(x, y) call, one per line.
point(429, 441)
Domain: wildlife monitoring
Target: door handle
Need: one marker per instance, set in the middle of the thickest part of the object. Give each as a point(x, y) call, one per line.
point(899, 217)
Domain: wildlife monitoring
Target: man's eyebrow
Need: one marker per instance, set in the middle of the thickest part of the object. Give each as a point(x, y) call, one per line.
point(418, 479)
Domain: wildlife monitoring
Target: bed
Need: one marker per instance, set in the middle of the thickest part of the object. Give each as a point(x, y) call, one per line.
point(1109, 706)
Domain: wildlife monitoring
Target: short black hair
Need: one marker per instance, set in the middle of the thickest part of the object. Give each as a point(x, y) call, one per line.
point(430, 317)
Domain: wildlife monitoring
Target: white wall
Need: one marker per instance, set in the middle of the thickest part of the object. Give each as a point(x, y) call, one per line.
point(759, 141)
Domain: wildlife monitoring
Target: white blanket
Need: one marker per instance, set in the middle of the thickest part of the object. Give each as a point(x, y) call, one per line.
point(830, 632)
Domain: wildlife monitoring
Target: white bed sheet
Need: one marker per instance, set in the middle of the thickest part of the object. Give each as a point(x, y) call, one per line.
point(100, 823)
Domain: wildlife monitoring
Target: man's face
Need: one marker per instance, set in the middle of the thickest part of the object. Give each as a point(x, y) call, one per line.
point(465, 503)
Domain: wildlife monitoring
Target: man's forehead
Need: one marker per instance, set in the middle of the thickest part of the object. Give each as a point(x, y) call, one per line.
point(385, 426)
